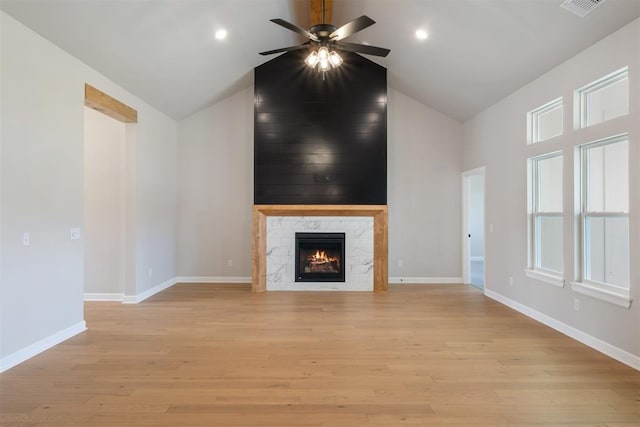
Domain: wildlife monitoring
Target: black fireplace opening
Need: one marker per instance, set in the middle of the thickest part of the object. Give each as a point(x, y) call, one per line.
point(320, 257)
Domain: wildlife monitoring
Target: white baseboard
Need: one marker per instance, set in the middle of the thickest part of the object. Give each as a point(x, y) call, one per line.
point(212, 279)
point(38, 347)
point(247, 280)
point(135, 299)
point(103, 297)
point(426, 280)
point(586, 339)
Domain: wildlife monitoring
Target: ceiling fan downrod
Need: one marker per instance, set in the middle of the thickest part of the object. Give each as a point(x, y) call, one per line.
point(324, 11)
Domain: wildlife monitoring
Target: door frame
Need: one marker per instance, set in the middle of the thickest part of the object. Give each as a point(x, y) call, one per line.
point(466, 242)
point(111, 107)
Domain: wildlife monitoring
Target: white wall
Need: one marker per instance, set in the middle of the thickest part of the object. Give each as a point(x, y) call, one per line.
point(496, 138)
point(424, 190)
point(155, 198)
point(104, 196)
point(215, 187)
point(42, 191)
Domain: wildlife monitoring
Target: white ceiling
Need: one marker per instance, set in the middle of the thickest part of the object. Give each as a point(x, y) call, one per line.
point(478, 51)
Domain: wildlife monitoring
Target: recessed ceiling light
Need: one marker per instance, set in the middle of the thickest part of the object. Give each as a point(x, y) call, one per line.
point(421, 34)
point(221, 34)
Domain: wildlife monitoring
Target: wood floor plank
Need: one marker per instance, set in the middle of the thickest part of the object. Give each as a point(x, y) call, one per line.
point(202, 354)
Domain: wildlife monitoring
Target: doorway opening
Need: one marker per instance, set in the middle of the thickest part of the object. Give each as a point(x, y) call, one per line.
point(473, 203)
point(109, 144)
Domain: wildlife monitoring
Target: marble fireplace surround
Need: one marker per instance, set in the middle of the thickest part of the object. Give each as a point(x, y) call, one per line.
point(379, 213)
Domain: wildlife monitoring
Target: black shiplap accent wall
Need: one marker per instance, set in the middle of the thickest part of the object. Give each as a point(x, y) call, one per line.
point(320, 141)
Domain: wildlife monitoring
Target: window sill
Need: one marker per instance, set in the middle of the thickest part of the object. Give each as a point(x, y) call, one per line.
point(619, 299)
point(547, 278)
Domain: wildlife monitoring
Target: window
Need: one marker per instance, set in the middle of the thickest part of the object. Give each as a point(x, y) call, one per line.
point(545, 203)
point(545, 122)
point(604, 99)
point(604, 216)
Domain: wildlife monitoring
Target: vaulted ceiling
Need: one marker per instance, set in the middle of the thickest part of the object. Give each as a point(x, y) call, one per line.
point(164, 52)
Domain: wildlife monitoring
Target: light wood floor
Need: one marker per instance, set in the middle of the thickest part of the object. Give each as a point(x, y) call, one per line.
point(218, 355)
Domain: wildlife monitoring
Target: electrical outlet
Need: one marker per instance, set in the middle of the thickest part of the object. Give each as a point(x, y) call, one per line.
point(510, 280)
point(150, 271)
point(229, 263)
point(26, 239)
point(576, 304)
point(400, 263)
point(490, 228)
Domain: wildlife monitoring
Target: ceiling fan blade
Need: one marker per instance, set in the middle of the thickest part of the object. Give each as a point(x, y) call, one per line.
point(285, 49)
point(363, 48)
point(351, 27)
point(295, 29)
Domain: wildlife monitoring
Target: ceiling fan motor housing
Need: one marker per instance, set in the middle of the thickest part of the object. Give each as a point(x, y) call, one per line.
point(322, 31)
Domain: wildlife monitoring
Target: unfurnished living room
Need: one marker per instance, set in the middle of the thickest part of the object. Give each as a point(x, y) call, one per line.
point(319, 212)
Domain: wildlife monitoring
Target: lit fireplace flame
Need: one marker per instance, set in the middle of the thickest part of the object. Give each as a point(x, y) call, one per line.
point(321, 257)
point(321, 262)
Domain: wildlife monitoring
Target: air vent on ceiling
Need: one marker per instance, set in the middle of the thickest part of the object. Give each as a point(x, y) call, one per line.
point(581, 7)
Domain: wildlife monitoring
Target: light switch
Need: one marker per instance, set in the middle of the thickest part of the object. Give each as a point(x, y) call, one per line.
point(26, 239)
point(75, 234)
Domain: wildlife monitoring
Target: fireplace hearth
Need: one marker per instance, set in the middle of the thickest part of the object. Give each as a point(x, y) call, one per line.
point(319, 257)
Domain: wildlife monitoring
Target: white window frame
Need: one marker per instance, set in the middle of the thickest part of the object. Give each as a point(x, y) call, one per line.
point(534, 271)
point(581, 96)
point(532, 120)
point(603, 291)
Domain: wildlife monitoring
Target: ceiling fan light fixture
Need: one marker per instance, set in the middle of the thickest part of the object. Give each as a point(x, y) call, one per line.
point(323, 53)
point(335, 59)
point(312, 59)
point(324, 59)
point(324, 65)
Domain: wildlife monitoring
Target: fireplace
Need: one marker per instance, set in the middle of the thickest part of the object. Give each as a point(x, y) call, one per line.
point(274, 255)
point(319, 257)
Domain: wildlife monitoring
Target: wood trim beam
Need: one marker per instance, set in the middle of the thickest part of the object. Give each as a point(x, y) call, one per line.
point(380, 251)
point(320, 210)
point(379, 213)
point(100, 101)
point(315, 11)
point(259, 270)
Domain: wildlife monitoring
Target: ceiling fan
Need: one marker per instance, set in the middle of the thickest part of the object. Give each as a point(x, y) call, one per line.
point(327, 38)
